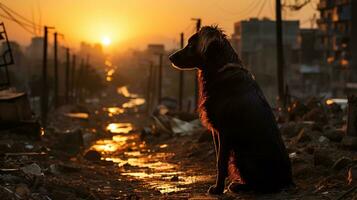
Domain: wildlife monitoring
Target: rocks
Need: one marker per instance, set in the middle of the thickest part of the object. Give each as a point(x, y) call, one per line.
point(32, 169)
point(349, 142)
point(352, 175)
point(70, 141)
point(322, 158)
point(334, 135)
point(291, 129)
point(57, 169)
point(92, 155)
point(302, 170)
point(22, 191)
point(341, 163)
point(301, 137)
point(323, 139)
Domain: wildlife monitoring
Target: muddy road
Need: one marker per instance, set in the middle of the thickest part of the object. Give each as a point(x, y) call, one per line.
point(114, 159)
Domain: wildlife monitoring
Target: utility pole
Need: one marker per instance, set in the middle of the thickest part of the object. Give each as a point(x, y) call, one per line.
point(198, 27)
point(73, 77)
point(280, 54)
point(56, 69)
point(44, 96)
point(67, 75)
point(149, 88)
point(159, 95)
point(79, 82)
point(182, 43)
point(86, 75)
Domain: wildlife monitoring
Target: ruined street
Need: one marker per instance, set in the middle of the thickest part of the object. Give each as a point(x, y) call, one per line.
point(178, 100)
point(112, 149)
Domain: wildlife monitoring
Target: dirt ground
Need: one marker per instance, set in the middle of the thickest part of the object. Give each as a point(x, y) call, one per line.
point(115, 160)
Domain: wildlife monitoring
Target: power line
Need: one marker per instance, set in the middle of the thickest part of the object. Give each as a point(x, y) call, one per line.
point(20, 16)
point(22, 21)
point(261, 8)
point(252, 5)
point(12, 18)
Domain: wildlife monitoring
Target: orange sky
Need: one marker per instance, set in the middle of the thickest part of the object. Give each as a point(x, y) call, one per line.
point(134, 23)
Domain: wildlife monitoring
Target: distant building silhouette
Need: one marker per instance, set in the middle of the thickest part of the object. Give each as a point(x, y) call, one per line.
point(255, 41)
point(338, 24)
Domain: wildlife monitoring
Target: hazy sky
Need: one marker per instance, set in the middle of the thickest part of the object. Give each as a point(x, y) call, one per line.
point(134, 23)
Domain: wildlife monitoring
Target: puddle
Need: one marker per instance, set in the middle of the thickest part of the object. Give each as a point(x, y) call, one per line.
point(136, 161)
point(125, 92)
point(114, 111)
point(119, 127)
point(77, 115)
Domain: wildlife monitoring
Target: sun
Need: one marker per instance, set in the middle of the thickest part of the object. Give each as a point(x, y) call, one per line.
point(106, 41)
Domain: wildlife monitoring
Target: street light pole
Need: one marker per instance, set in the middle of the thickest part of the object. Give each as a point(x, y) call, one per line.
point(280, 54)
point(44, 95)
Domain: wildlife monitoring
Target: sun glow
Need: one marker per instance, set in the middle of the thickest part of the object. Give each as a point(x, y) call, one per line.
point(106, 41)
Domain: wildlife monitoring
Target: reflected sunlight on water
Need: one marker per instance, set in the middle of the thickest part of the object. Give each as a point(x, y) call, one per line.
point(125, 92)
point(136, 161)
point(134, 103)
point(150, 167)
point(119, 127)
point(114, 111)
point(77, 115)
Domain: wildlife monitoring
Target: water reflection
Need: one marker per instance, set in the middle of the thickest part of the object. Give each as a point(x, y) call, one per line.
point(114, 111)
point(119, 127)
point(134, 103)
point(125, 92)
point(77, 115)
point(137, 161)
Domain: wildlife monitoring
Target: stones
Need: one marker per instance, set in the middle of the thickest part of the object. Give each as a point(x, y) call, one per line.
point(291, 129)
point(323, 140)
point(32, 169)
point(334, 135)
point(341, 163)
point(70, 141)
point(302, 137)
point(302, 170)
point(22, 191)
point(349, 142)
point(57, 169)
point(92, 155)
point(352, 175)
point(322, 158)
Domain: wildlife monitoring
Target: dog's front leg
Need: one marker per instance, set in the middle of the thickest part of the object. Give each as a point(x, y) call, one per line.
point(222, 166)
point(216, 142)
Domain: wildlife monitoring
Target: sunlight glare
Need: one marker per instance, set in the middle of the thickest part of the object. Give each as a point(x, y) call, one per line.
point(106, 41)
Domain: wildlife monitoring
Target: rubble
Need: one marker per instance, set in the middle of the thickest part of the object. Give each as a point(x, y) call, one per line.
point(334, 135)
point(350, 142)
point(352, 175)
point(92, 155)
point(341, 163)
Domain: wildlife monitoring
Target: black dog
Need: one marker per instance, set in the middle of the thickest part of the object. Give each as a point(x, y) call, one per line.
point(232, 105)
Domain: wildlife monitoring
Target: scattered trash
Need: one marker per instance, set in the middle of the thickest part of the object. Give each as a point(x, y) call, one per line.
point(84, 116)
point(92, 155)
point(341, 163)
point(32, 169)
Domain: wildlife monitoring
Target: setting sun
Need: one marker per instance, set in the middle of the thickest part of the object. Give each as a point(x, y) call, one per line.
point(106, 41)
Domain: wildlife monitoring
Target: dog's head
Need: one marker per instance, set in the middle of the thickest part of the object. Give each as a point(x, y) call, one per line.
point(208, 46)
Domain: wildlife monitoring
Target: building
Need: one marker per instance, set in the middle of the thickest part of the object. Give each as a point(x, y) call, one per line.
point(312, 78)
point(255, 41)
point(337, 28)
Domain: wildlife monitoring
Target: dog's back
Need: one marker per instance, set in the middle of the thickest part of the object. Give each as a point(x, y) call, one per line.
point(235, 106)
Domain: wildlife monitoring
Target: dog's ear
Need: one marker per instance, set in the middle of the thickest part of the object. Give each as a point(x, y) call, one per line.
point(211, 42)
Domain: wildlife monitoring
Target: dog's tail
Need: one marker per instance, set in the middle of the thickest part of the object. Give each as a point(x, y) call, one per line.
point(233, 171)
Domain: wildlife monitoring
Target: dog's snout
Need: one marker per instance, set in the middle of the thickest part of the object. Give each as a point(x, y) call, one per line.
point(172, 57)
